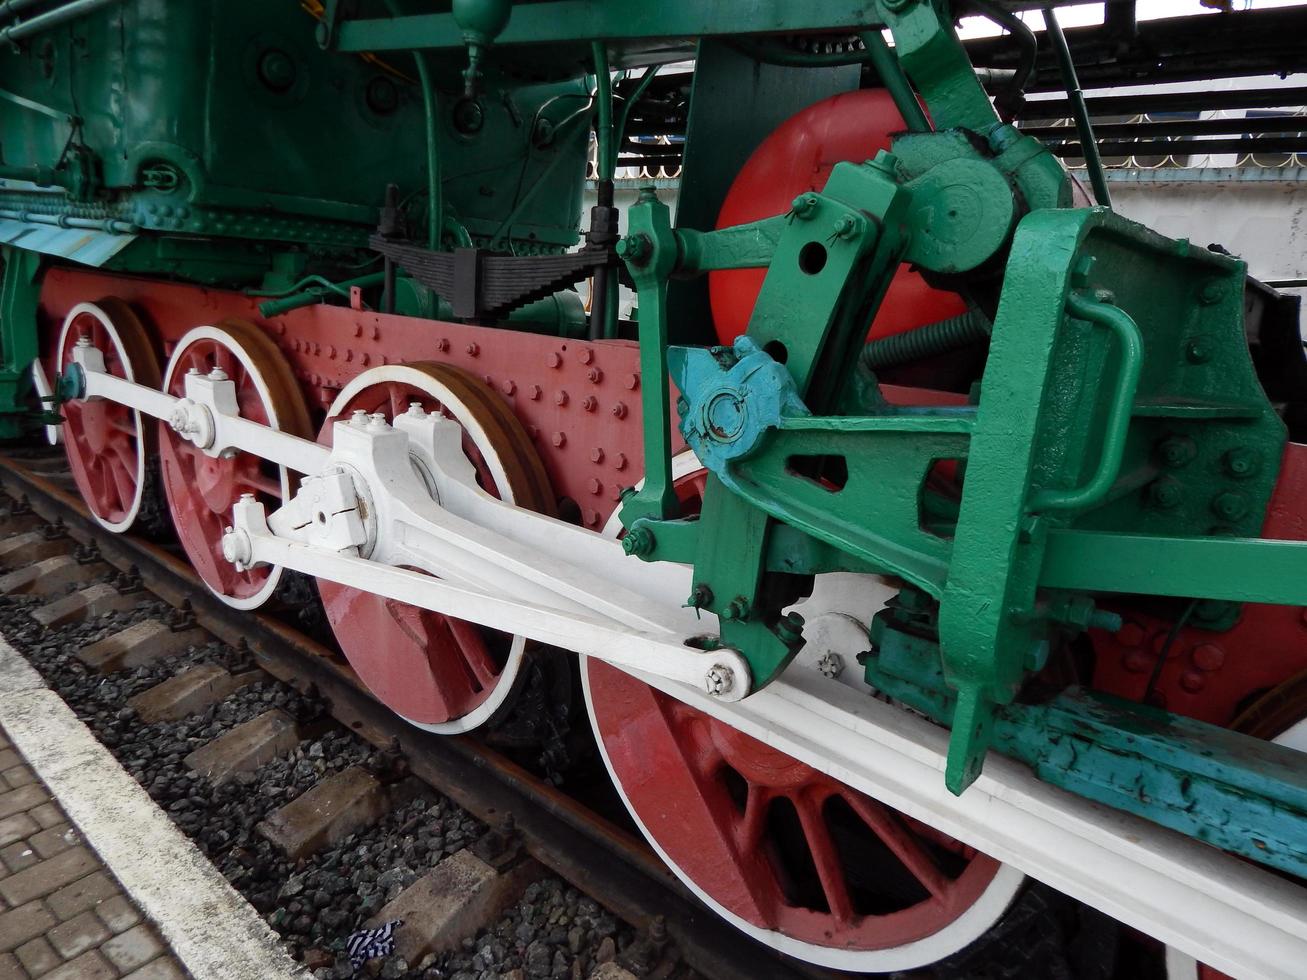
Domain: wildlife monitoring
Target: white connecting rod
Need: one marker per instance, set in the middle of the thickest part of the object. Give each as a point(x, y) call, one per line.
point(722, 673)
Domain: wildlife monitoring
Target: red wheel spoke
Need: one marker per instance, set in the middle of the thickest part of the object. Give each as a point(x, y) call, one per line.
point(259, 482)
point(826, 857)
point(472, 646)
point(754, 824)
point(899, 839)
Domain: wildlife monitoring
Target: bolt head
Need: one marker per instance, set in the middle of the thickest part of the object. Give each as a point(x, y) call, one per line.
point(831, 664)
point(1230, 506)
point(560, 398)
point(589, 403)
point(596, 455)
point(559, 440)
point(473, 350)
point(1198, 350)
point(719, 680)
point(619, 411)
point(359, 417)
point(83, 341)
point(1242, 462)
point(217, 374)
point(415, 410)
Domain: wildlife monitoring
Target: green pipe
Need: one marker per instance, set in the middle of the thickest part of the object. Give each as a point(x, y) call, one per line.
point(112, 225)
point(1093, 163)
point(896, 82)
point(605, 158)
point(276, 307)
point(641, 87)
point(435, 187)
point(1127, 333)
point(51, 19)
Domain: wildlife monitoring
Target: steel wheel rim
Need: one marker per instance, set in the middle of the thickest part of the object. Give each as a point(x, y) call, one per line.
point(429, 657)
point(201, 490)
point(981, 893)
point(108, 444)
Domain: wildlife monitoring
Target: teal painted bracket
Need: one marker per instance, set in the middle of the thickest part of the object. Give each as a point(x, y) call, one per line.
point(1238, 793)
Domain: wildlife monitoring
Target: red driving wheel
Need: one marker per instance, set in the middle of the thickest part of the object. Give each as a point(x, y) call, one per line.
point(439, 672)
point(108, 444)
point(202, 489)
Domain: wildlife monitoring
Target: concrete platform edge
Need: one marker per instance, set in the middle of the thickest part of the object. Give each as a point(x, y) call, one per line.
point(212, 930)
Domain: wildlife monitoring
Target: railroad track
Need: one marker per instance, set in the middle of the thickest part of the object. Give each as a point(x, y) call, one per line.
point(522, 817)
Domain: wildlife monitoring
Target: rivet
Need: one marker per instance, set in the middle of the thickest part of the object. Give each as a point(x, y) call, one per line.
point(473, 350)
point(553, 360)
point(559, 440)
point(614, 493)
point(587, 355)
point(1192, 681)
point(560, 398)
point(534, 393)
point(488, 380)
point(331, 353)
point(442, 345)
point(619, 411)
point(596, 455)
point(366, 358)
point(595, 376)
point(592, 518)
point(1136, 662)
point(1208, 656)
point(1230, 506)
point(631, 381)
point(589, 403)
point(1198, 350)
point(595, 486)
point(619, 463)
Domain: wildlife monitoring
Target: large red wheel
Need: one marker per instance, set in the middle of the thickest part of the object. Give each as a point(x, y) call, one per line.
point(203, 489)
point(438, 672)
point(795, 858)
point(108, 444)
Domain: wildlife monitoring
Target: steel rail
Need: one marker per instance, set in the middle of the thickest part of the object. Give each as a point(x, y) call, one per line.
point(596, 856)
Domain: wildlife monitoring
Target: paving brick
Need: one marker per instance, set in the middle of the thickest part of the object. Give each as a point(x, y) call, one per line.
point(48, 876)
point(189, 692)
point(23, 798)
point(80, 933)
point(245, 747)
point(9, 758)
point(86, 893)
point(19, 776)
point(138, 644)
point(37, 956)
point(118, 913)
point(326, 813)
point(48, 815)
point(43, 578)
point(454, 900)
point(11, 968)
point(89, 966)
point(161, 969)
point(134, 948)
point(26, 922)
point(16, 827)
point(55, 839)
point(77, 607)
point(19, 856)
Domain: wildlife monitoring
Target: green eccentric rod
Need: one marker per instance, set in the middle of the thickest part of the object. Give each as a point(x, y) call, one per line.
point(314, 294)
point(1093, 162)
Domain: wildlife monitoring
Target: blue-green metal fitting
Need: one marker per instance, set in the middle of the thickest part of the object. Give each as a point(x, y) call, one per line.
point(1239, 793)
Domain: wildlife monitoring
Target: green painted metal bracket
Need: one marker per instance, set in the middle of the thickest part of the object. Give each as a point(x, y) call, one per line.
point(650, 251)
point(18, 299)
